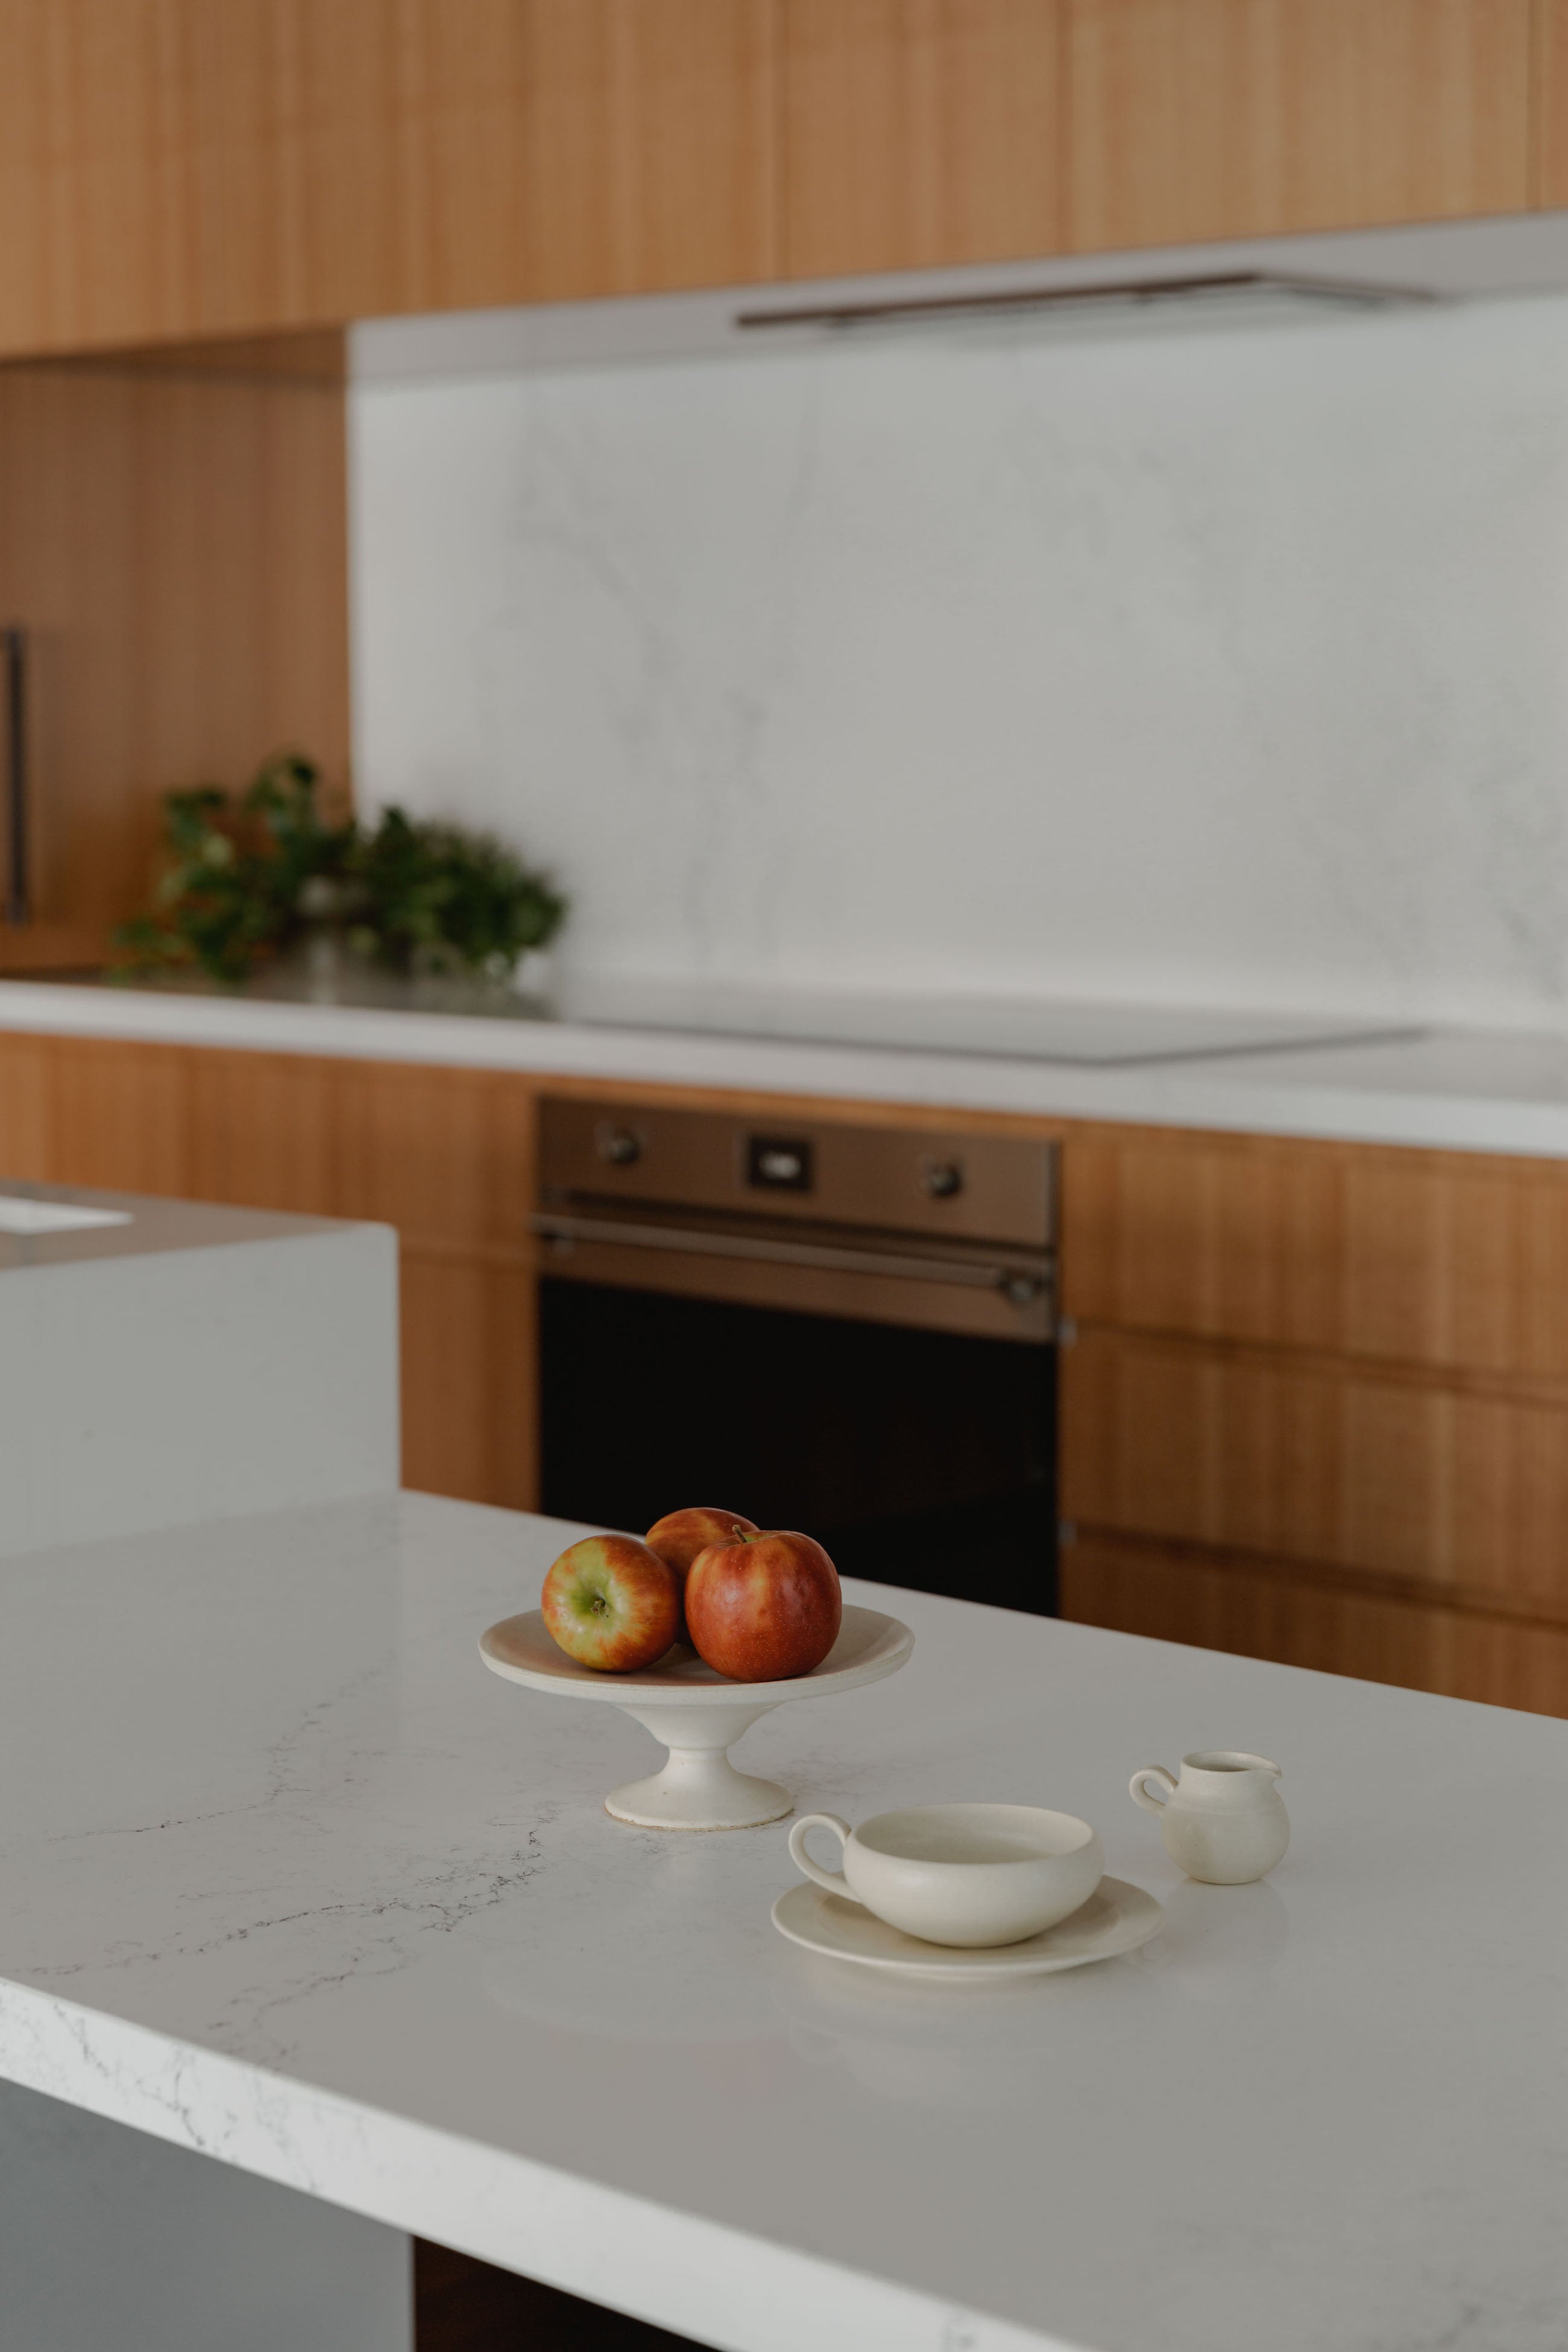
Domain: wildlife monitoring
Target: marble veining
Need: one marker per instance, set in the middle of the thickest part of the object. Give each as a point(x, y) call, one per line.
point(1216, 669)
point(289, 1879)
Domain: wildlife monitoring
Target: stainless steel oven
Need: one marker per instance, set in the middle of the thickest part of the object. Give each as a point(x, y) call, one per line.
point(845, 1328)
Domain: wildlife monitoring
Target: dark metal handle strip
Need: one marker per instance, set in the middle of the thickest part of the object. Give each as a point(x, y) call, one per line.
point(18, 894)
point(824, 1256)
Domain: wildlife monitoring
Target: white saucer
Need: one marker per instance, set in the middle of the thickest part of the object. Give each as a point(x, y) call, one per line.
point(1117, 1918)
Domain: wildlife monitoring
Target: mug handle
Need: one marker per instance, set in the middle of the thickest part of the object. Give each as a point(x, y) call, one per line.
point(1141, 1796)
point(833, 1880)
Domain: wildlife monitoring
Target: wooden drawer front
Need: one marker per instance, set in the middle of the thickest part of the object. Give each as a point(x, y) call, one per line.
point(1220, 1605)
point(1196, 118)
point(918, 132)
point(1438, 1489)
point(1411, 1258)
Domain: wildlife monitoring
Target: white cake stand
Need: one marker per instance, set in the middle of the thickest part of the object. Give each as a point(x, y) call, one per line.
point(696, 1714)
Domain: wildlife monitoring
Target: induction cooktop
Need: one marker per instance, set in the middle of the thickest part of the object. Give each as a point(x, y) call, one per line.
point(1038, 1029)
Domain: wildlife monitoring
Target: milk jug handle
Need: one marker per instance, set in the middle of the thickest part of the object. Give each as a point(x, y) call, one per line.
point(833, 1880)
point(1141, 1796)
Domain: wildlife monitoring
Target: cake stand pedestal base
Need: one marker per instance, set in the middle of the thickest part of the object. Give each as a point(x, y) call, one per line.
point(698, 1787)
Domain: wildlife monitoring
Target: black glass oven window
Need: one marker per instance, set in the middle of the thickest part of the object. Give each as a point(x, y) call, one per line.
point(917, 1457)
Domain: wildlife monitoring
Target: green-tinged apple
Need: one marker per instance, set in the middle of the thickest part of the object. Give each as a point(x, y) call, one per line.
point(679, 1535)
point(612, 1604)
point(762, 1607)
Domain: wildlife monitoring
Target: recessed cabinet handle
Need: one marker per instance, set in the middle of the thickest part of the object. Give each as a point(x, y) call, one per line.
point(18, 892)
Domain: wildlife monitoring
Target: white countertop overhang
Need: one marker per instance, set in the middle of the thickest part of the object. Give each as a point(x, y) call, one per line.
point(1447, 1089)
point(289, 1879)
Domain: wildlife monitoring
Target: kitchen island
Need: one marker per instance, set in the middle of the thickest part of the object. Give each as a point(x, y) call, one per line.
point(291, 1880)
point(1314, 1389)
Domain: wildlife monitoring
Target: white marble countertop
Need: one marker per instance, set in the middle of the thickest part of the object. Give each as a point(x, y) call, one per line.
point(70, 1225)
point(288, 1878)
point(1457, 1089)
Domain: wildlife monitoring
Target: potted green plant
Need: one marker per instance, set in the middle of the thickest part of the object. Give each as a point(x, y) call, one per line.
point(250, 878)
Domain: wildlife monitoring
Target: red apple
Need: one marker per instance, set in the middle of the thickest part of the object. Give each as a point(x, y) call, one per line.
point(763, 1607)
point(612, 1604)
point(679, 1535)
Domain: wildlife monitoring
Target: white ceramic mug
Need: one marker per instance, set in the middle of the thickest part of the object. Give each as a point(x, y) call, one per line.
point(1224, 1820)
point(969, 1875)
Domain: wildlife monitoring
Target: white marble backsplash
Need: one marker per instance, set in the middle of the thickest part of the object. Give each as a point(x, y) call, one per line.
point(1226, 668)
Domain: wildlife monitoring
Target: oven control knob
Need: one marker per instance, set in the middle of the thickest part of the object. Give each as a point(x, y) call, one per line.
point(1022, 1290)
point(620, 1146)
point(942, 1179)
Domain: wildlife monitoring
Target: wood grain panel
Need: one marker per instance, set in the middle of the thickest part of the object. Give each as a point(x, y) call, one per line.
point(1197, 119)
point(25, 1108)
point(175, 542)
point(1451, 1260)
point(470, 1418)
point(364, 157)
point(1313, 1461)
point(182, 168)
point(265, 1132)
point(918, 132)
point(651, 144)
point(119, 1117)
point(1550, 155)
point(445, 1155)
point(1176, 1596)
point(105, 236)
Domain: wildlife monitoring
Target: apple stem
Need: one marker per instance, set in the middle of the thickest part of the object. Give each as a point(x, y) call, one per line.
point(741, 1536)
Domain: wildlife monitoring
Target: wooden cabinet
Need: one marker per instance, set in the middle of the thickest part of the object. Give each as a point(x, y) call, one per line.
point(1312, 1460)
point(187, 168)
point(1202, 119)
point(1550, 158)
point(1318, 1401)
point(919, 132)
point(173, 539)
point(376, 158)
point(443, 1155)
point(1219, 1602)
point(184, 168)
point(103, 232)
point(650, 145)
point(1448, 1260)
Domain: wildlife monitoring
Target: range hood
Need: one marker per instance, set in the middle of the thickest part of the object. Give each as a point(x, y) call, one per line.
point(1222, 297)
point(1163, 289)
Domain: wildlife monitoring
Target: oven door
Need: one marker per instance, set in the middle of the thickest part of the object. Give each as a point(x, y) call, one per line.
point(897, 1404)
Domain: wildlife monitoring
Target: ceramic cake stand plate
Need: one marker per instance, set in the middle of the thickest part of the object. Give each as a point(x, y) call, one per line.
point(1117, 1918)
point(696, 1714)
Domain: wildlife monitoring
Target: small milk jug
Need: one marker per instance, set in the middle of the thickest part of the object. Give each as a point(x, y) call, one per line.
point(1223, 1820)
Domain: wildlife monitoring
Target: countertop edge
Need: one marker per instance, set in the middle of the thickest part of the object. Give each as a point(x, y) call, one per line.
point(671, 2268)
point(1284, 1098)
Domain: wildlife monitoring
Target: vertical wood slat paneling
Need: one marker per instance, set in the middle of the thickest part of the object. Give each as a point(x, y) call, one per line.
point(1434, 1259)
point(920, 132)
point(174, 540)
point(1549, 158)
point(1320, 1462)
point(1220, 1604)
point(102, 224)
point(186, 168)
point(1205, 119)
point(180, 168)
point(650, 145)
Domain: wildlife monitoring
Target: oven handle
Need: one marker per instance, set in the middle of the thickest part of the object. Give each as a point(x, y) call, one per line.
point(1021, 1285)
